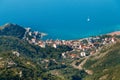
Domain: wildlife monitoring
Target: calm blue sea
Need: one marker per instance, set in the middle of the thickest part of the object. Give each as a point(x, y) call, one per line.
point(63, 19)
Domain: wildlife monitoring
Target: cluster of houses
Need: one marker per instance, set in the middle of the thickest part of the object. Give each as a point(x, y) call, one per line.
point(81, 48)
point(88, 46)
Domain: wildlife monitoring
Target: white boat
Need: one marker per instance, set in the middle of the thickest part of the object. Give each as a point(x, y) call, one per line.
point(88, 19)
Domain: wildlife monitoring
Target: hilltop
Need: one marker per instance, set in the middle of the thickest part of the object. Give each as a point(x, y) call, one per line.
point(10, 29)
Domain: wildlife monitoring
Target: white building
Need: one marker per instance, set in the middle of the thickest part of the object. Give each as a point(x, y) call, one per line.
point(30, 33)
point(63, 55)
point(33, 40)
point(113, 40)
point(42, 44)
point(16, 53)
point(54, 45)
point(82, 54)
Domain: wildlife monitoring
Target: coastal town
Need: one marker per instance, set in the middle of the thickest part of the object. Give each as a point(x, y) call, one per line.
point(81, 48)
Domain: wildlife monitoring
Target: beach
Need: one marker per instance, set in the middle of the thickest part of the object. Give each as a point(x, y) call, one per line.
point(114, 33)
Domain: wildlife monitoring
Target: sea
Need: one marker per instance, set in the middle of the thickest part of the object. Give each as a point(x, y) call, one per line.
point(63, 19)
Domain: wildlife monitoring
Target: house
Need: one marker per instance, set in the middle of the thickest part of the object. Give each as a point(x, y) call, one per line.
point(33, 40)
point(16, 53)
point(63, 55)
point(54, 45)
point(104, 42)
point(81, 45)
point(20, 73)
point(73, 56)
point(113, 40)
point(10, 63)
point(82, 54)
point(92, 52)
point(30, 33)
point(46, 60)
point(42, 44)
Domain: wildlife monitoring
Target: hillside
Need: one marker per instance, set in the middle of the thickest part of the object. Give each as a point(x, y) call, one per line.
point(10, 29)
point(22, 60)
point(105, 65)
point(18, 59)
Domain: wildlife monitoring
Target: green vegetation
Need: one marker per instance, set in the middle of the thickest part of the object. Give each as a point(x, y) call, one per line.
point(28, 61)
point(105, 66)
point(27, 65)
point(20, 60)
point(12, 30)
